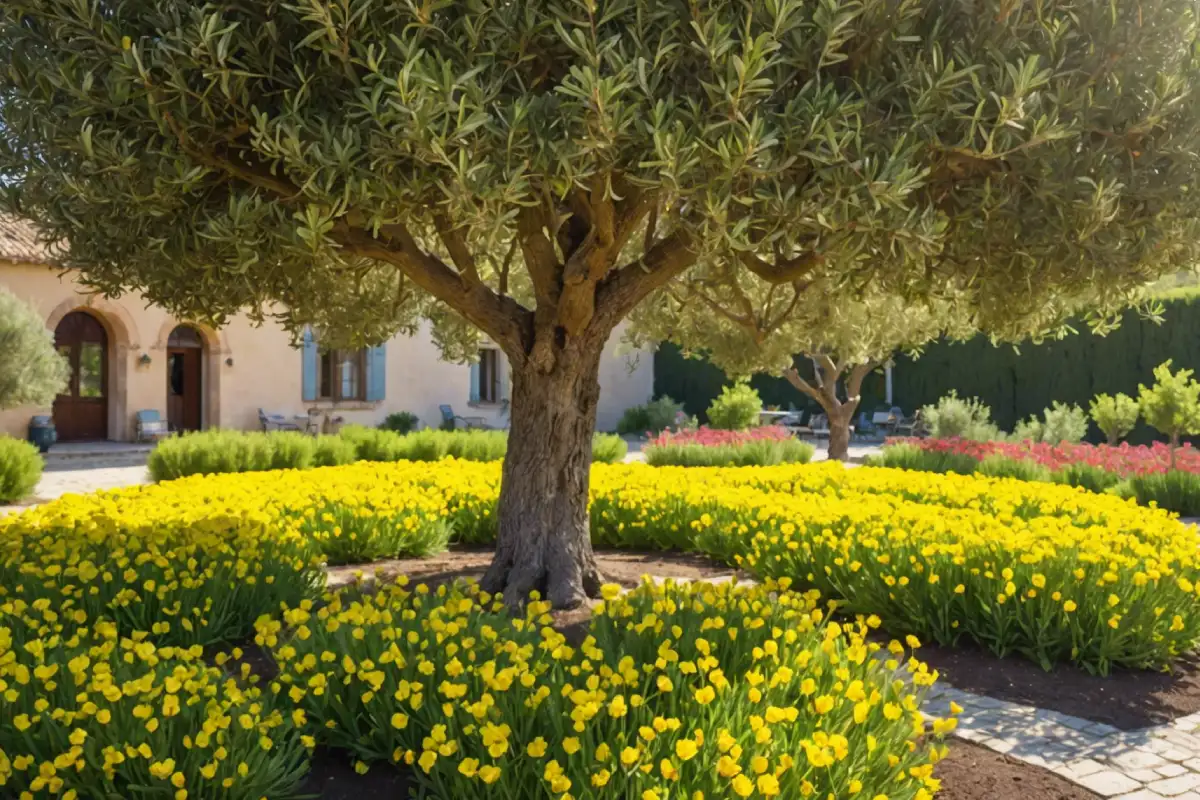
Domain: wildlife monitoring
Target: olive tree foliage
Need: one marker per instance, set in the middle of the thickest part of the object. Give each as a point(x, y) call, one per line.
point(31, 371)
point(535, 169)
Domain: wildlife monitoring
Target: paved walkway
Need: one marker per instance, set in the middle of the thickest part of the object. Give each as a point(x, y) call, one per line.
point(56, 483)
point(1157, 763)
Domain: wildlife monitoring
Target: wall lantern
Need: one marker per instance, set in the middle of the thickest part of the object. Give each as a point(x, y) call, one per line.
point(144, 360)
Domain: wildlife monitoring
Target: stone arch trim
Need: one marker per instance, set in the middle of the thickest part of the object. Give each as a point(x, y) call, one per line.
point(123, 343)
point(216, 348)
point(215, 340)
point(116, 320)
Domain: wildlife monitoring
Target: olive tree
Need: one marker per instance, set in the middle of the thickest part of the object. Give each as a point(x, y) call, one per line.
point(31, 371)
point(533, 170)
point(751, 326)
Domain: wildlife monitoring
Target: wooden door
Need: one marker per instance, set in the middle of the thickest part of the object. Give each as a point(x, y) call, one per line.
point(81, 411)
point(183, 389)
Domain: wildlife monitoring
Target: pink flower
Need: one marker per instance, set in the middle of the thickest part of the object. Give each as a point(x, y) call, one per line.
point(1125, 460)
point(711, 437)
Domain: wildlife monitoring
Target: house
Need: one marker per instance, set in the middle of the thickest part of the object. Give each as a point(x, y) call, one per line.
point(128, 356)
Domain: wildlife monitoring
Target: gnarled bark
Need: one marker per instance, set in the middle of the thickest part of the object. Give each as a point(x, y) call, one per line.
point(544, 542)
point(840, 412)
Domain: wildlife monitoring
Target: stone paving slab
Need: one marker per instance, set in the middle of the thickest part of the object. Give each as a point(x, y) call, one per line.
point(1157, 763)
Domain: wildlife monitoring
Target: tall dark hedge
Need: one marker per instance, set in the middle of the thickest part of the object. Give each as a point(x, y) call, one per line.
point(696, 382)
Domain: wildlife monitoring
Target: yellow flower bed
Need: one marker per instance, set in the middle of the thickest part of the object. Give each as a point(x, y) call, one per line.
point(94, 713)
point(1048, 571)
point(108, 603)
point(692, 692)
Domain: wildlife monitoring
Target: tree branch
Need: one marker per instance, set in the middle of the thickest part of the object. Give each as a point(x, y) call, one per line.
point(456, 245)
point(501, 318)
point(609, 227)
point(538, 251)
point(622, 290)
point(786, 271)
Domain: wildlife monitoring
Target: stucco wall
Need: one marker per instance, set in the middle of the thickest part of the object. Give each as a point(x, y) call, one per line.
point(266, 372)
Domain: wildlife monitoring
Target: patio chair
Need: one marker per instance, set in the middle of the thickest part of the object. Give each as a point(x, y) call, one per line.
point(276, 421)
point(819, 425)
point(911, 426)
point(151, 426)
point(451, 420)
point(794, 422)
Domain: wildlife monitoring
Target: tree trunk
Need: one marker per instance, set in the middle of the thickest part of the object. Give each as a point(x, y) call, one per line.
point(1174, 444)
point(543, 542)
point(840, 412)
point(840, 417)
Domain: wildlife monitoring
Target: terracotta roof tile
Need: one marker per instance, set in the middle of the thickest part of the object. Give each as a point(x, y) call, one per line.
point(19, 241)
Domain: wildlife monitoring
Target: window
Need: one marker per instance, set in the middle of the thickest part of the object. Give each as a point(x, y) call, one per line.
point(489, 375)
point(343, 375)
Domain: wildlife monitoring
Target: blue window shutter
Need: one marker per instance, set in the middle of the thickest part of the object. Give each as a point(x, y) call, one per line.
point(475, 382)
point(377, 373)
point(311, 360)
point(502, 365)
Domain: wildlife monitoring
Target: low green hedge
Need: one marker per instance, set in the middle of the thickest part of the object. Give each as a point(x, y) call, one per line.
point(211, 452)
point(20, 469)
point(748, 454)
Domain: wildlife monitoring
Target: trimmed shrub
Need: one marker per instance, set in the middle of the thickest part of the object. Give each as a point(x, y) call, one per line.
point(955, 417)
point(748, 454)
point(608, 448)
point(737, 408)
point(20, 469)
point(1172, 405)
point(1175, 491)
point(653, 417)
point(400, 422)
point(1064, 423)
point(1086, 476)
point(1004, 467)
point(1115, 415)
point(333, 451)
point(912, 457)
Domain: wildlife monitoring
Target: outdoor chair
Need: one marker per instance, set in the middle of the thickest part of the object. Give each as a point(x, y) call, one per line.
point(276, 422)
point(451, 420)
point(151, 426)
point(794, 422)
point(819, 426)
point(912, 426)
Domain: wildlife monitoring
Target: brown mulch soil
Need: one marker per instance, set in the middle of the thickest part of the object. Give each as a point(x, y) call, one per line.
point(617, 566)
point(971, 772)
point(1125, 699)
point(333, 778)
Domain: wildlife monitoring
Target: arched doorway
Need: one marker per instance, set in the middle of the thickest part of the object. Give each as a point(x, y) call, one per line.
point(81, 411)
point(185, 379)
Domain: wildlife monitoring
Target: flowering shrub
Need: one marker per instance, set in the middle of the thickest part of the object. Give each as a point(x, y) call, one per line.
point(1124, 460)
point(679, 691)
point(714, 437)
point(104, 715)
point(232, 546)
